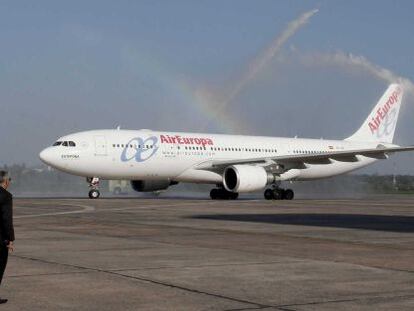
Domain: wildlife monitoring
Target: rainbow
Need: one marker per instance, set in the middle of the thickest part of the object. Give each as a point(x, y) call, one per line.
point(207, 103)
point(200, 101)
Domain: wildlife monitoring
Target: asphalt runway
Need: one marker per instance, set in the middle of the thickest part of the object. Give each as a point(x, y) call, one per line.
point(183, 254)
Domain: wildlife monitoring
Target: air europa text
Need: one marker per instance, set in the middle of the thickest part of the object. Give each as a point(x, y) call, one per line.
point(177, 139)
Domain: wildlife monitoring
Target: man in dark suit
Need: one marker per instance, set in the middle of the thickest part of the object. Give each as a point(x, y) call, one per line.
point(6, 224)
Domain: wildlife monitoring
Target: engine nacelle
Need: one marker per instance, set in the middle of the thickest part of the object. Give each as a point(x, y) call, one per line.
point(151, 185)
point(246, 178)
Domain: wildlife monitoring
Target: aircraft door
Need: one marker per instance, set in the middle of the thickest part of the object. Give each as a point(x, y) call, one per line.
point(100, 146)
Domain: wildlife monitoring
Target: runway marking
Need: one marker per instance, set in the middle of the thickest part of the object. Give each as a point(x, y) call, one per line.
point(86, 209)
point(148, 280)
point(47, 274)
point(206, 265)
point(150, 207)
point(253, 305)
point(89, 208)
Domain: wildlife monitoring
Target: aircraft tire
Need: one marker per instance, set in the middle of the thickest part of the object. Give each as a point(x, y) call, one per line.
point(277, 194)
point(221, 194)
point(288, 194)
point(214, 195)
point(94, 194)
point(268, 194)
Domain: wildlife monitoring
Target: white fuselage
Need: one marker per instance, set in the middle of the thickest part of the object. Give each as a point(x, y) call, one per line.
point(152, 155)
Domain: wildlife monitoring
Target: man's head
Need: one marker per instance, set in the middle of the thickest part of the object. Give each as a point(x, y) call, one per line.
point(4, 179)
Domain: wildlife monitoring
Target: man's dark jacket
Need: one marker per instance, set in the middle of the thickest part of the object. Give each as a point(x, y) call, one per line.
point(6, 213)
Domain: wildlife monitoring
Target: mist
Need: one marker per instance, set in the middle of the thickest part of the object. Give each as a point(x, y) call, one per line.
point(351, 62)
point(220, 101)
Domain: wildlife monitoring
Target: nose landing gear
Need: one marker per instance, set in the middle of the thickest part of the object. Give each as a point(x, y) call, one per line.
point(279, 194)
point(94, 187)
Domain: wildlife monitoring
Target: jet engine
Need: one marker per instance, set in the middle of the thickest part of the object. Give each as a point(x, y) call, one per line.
point(246, 178)
point(151, 185)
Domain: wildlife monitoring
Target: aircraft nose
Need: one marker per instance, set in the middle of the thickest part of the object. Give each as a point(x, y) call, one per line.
point(46, 156)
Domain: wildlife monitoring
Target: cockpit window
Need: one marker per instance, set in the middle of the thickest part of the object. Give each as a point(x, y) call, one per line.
point(65, 143)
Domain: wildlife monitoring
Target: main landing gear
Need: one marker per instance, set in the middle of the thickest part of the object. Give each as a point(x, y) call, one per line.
point(223, 194)
point(279, 194)
point(94, 187)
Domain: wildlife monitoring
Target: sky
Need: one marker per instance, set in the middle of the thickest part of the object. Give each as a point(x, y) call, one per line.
point(199, 66)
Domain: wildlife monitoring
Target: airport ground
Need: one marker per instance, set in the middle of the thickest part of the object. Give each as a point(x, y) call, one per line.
point(184, 254)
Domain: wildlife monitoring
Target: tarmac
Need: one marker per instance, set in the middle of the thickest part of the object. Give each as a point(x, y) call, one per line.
point(185, 254)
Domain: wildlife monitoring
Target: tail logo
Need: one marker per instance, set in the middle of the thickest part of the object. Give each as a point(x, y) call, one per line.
point(384, 121)
point(388, 124)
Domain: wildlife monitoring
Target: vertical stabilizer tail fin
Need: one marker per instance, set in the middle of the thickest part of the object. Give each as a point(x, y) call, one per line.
point(381, 122)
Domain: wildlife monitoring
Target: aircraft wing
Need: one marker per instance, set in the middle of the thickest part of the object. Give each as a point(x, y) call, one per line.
point(380, 152)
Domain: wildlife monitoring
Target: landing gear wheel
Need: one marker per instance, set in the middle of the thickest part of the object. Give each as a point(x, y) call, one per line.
point(277, 194)
point(94, 194)
point(288, 194)
point(214, 194)
point(268, 194)
point(222, 194)
point(94, 186)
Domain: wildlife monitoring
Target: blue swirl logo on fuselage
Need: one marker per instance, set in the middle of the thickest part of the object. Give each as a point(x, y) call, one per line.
point(140, 149)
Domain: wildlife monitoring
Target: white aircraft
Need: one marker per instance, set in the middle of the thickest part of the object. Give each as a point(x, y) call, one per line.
point(155, 160)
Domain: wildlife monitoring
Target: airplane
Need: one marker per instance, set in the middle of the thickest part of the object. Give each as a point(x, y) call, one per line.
point(154, 160)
